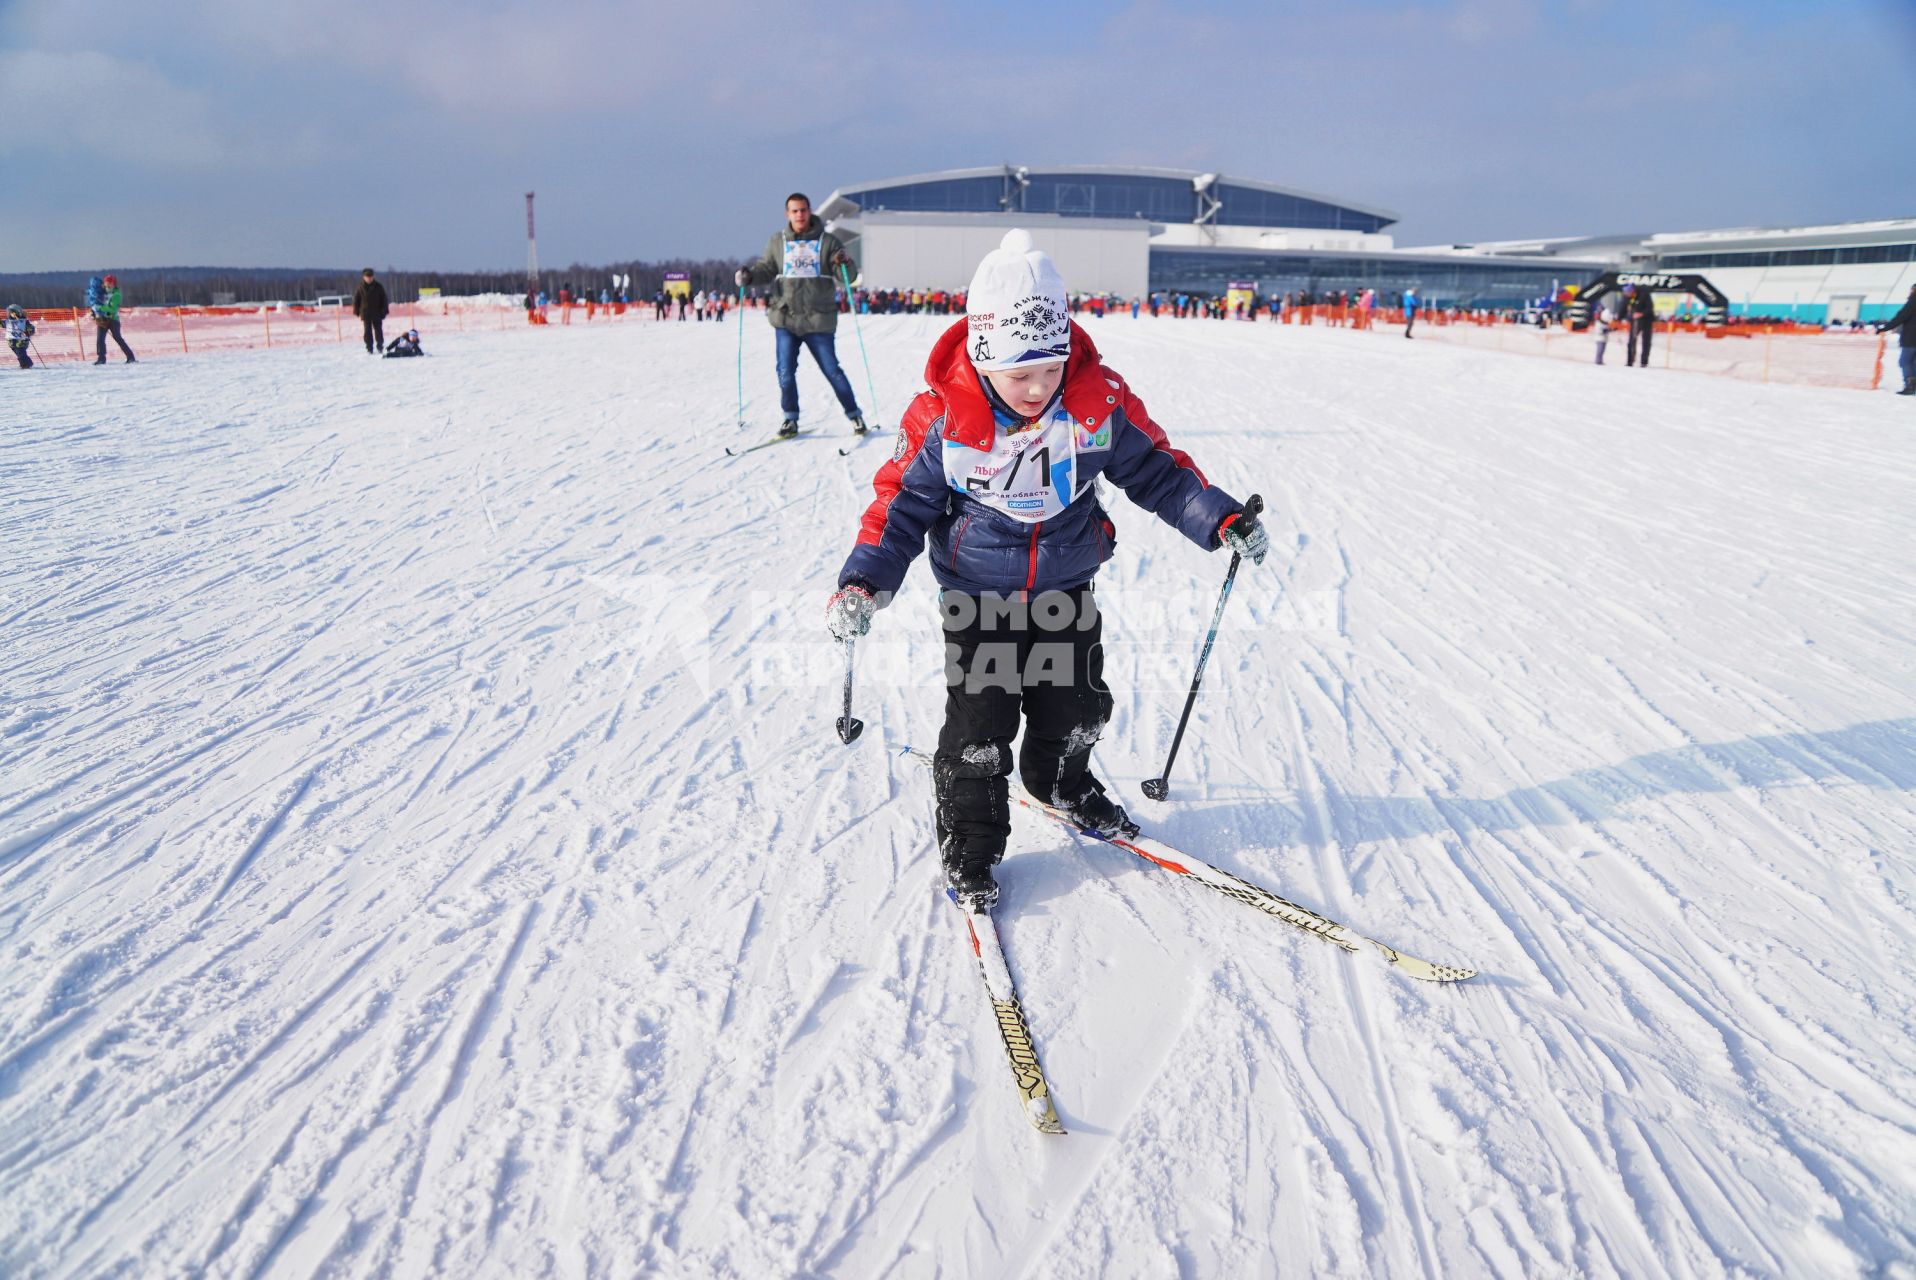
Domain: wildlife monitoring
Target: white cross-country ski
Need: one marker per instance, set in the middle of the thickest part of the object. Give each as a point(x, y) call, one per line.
point(1159, 854)
point(1026, 1071)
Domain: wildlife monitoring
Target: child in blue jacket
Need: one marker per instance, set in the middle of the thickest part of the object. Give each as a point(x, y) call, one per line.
point(19, 333)
point(996, 464)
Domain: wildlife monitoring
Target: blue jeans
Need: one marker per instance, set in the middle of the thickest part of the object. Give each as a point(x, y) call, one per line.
point(1908, 360)
point(826, 353)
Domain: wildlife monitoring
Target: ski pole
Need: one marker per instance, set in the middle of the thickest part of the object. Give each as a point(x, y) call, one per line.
point(845, 274)
point(1159, 787)
point(849, 727)
point(741, 355)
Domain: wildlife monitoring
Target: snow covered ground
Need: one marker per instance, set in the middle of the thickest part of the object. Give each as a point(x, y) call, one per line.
point(424, 848)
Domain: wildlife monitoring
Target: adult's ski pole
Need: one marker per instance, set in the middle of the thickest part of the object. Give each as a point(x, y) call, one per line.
point(1159, 787)
point(844, 273)
point(741, 355)
point(849, 727)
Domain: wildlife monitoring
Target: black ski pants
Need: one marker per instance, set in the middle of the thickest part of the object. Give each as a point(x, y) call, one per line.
point(1640, 330)
point(375, 327)
point(1039, 658)
point(101, 329)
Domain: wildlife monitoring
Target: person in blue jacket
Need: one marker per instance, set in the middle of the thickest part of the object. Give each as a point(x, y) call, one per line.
point(406, 344)
point(997, 464)
point(19, 334)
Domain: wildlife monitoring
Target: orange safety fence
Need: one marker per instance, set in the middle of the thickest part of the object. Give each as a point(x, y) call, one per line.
point(1778, 351)
point(1795, 354)
point(68, 334)
point(1781, 352)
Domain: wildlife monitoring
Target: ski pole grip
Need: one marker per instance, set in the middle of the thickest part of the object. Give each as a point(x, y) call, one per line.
point(1254, 506)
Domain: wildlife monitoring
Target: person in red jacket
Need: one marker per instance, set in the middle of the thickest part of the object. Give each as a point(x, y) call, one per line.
point(997, 464)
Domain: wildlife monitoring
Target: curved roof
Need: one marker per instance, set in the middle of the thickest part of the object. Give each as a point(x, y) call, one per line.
point(841, 204)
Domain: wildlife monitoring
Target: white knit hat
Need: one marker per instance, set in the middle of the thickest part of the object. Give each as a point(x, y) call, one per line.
point(1016, 307)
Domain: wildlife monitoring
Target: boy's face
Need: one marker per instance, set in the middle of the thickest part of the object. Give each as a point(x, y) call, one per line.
point(1027, 388)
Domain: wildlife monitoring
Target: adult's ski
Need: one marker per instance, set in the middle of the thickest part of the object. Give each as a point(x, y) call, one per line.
point(867, 434)
point(730, 452)
point(1159, 854)
point(1026, 1071)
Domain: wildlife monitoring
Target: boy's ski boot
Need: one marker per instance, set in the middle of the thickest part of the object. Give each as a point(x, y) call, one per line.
point(858, 424)
point(972, 886)
point(968, 873)
point(1098, 813)
point(789, 429)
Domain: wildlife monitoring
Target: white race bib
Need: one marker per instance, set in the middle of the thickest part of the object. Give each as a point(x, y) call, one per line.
point(1029, 475)
point(801, 259)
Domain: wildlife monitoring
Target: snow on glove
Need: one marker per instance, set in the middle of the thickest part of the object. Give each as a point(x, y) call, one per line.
point(1245, 535)
point(849, 613)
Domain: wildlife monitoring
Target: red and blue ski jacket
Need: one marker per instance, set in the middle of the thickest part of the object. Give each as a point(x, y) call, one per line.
point(979, 547)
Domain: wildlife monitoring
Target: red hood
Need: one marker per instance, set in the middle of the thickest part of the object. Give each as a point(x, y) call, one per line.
point(1088, 396)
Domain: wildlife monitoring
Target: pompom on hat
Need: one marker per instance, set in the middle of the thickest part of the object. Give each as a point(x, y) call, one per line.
point(1016, 310)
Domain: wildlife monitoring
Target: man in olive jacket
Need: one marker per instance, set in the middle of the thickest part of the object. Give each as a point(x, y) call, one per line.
point(1904, 322)
point(369, 304)
point(804, 259)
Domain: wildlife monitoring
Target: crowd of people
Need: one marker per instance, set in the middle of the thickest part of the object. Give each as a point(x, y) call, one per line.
point(798, 313)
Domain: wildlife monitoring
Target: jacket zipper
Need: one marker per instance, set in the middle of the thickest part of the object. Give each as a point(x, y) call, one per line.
point(958, 539)
point(1031, 573)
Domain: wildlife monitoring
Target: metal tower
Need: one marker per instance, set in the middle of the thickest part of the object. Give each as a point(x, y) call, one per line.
point(532, 251)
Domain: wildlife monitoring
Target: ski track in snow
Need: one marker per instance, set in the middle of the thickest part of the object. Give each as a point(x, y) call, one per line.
point(424, 848)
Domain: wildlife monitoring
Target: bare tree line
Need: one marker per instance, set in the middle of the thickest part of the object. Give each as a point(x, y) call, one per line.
point(206, 286)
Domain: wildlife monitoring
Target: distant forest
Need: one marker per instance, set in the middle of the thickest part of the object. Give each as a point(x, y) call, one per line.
point(203, 286)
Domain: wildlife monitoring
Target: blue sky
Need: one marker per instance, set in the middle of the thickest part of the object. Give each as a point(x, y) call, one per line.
point(405, 134)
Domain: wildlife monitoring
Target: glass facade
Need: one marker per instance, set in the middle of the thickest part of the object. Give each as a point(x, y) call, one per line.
point(1112, 195)
point(1861, 253)
point(1248, 207)
point(938, 195)
point(1467, 282)
point(1094, 195)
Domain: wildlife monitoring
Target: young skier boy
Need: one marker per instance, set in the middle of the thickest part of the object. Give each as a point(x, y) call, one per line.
point(19, 333)
point(406, 344)
point(998, 462)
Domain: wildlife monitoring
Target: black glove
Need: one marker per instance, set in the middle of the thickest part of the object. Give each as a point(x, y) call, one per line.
point(743, 275)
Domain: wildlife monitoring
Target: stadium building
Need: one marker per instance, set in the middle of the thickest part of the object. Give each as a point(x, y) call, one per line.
point(1818, 275)
point(1132, 231)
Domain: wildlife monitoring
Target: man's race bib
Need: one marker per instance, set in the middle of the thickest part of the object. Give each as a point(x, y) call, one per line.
point(801, 259)
point(1029, 475)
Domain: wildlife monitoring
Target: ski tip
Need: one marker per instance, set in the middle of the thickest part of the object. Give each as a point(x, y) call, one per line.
point(1042, 1117)
point(1424, 970)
